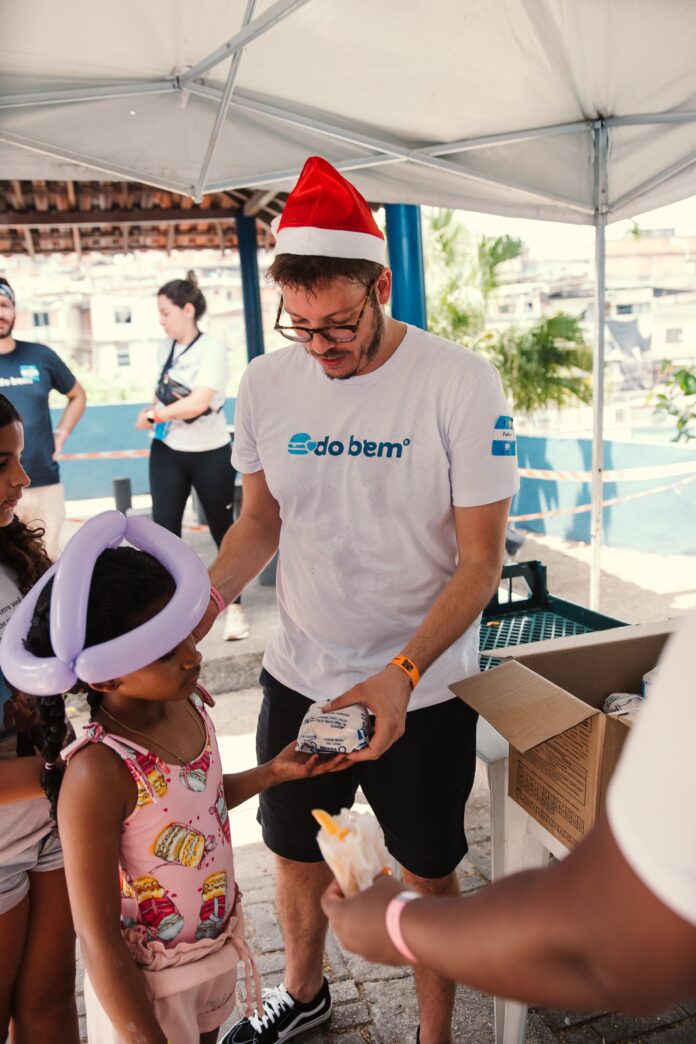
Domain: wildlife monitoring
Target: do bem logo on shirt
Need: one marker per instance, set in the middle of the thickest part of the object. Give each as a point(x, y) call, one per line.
point(302, 444)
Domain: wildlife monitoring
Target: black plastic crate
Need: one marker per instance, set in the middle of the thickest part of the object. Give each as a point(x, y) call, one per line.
point(531, 614)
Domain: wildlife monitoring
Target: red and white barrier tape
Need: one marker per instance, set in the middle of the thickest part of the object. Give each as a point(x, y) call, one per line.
point(605, 503)
point(687, 468)
point(106, 455)
point(659, 471)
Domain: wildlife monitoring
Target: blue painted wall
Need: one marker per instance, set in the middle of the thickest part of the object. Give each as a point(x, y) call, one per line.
point(108, 427)
point(663, 523)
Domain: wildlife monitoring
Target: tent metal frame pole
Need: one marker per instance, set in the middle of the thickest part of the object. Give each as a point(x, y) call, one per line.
point(116, 170)
point(221, 114)
point(268, 20)
point(554, 130)
point(96, 92)
point(654, 181)
point(647, 118)
point(601, 136)
point(391, 150)
point(276, 176)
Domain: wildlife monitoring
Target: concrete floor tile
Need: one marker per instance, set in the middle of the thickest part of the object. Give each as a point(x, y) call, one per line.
point(355, 1037)
point(341, 992)
point(562, 1020)
point(363, 971)
point(537, 1032)
point(271, 964)
point(345, 1016)
point(615, 1028)
point(683, 1033)
point(263, 920)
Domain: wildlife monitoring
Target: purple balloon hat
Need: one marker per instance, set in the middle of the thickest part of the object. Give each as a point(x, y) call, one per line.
point(46, 676)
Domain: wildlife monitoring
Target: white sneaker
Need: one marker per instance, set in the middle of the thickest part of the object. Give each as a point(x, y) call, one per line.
point(236, 626)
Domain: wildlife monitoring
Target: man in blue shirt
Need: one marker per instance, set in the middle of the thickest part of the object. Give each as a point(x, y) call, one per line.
point(28, 373)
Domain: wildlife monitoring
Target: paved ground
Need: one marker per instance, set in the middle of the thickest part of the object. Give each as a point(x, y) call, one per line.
point(373, 1004)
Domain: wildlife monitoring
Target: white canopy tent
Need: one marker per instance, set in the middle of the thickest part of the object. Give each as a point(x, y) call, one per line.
point(568, 110)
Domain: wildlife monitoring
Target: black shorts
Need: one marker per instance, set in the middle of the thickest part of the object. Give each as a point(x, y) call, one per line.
point(417, 789)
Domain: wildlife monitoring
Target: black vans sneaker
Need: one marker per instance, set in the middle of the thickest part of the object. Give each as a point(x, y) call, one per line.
point(282, 1017)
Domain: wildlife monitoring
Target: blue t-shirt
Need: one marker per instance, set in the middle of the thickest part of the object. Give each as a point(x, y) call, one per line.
point(27, 375)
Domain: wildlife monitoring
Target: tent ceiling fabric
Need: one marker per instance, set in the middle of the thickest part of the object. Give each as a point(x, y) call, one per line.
point(380, 89)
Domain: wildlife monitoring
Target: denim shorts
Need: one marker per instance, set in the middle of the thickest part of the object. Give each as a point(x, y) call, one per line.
point(417, 790)
point(40, 857)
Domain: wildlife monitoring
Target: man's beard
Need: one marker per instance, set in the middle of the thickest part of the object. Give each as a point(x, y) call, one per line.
point(369, 353)
point(8, 331)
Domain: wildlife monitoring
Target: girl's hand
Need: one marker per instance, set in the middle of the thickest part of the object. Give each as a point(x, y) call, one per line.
point(294, 764)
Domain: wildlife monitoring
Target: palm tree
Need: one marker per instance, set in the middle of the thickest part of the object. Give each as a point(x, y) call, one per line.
point(678, 399)
point(462, 273)
point(494, 251)
point(546, 364)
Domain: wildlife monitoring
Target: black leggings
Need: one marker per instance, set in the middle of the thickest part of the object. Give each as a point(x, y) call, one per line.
point(210, 473)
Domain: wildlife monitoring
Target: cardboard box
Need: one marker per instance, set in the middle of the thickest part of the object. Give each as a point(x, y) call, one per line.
point(546, 700)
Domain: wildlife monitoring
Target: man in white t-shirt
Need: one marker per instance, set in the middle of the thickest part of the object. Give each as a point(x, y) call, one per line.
point(612, 926)
point(380, 461)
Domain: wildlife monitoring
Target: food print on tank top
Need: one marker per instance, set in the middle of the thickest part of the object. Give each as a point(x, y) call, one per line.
point(176, 865)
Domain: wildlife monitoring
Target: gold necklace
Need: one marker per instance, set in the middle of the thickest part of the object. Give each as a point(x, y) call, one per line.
point(158, 743)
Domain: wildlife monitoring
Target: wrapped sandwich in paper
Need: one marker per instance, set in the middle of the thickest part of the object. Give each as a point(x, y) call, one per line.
point(352, 843)
point(624, 705)
point(336, 732)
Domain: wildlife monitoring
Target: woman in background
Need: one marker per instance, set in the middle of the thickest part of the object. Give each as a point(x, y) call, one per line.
point(191, 444)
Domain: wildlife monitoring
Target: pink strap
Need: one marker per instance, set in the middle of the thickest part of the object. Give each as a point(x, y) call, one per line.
point(218, 599)
point(392, 921)
point(93, 732)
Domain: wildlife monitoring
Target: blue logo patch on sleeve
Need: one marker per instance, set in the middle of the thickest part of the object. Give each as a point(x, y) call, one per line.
point(504, 448)
point(504, 422)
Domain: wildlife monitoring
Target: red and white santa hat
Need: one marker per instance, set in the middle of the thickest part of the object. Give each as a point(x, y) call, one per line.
point(326, 216)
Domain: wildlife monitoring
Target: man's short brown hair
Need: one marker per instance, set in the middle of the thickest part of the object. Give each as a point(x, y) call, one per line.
point(311, 272)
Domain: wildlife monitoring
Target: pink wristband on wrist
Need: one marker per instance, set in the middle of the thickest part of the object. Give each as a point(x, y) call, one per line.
point(218, 599)
point(392, 922)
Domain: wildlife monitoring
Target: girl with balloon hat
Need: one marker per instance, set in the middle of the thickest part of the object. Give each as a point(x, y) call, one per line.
point(143, 800)
point(37, 941)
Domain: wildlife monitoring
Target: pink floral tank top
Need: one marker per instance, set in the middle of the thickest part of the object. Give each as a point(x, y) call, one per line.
point(176, 866)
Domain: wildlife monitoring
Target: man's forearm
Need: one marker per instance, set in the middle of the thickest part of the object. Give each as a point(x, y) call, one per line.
point(247, 547)
point(71, 414)
point(573, 936)
point(456, 608)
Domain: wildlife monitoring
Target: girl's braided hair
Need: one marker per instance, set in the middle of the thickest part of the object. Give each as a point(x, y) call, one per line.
point(128, 587)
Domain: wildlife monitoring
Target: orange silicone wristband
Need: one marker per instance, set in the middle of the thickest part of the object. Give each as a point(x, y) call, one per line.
point(408, 667)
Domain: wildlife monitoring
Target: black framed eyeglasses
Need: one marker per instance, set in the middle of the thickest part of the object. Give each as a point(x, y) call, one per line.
point(343, 334)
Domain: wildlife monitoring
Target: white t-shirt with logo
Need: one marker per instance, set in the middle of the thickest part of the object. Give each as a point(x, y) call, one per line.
point(365, 472)
point(651, 804)
point(204, 365)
